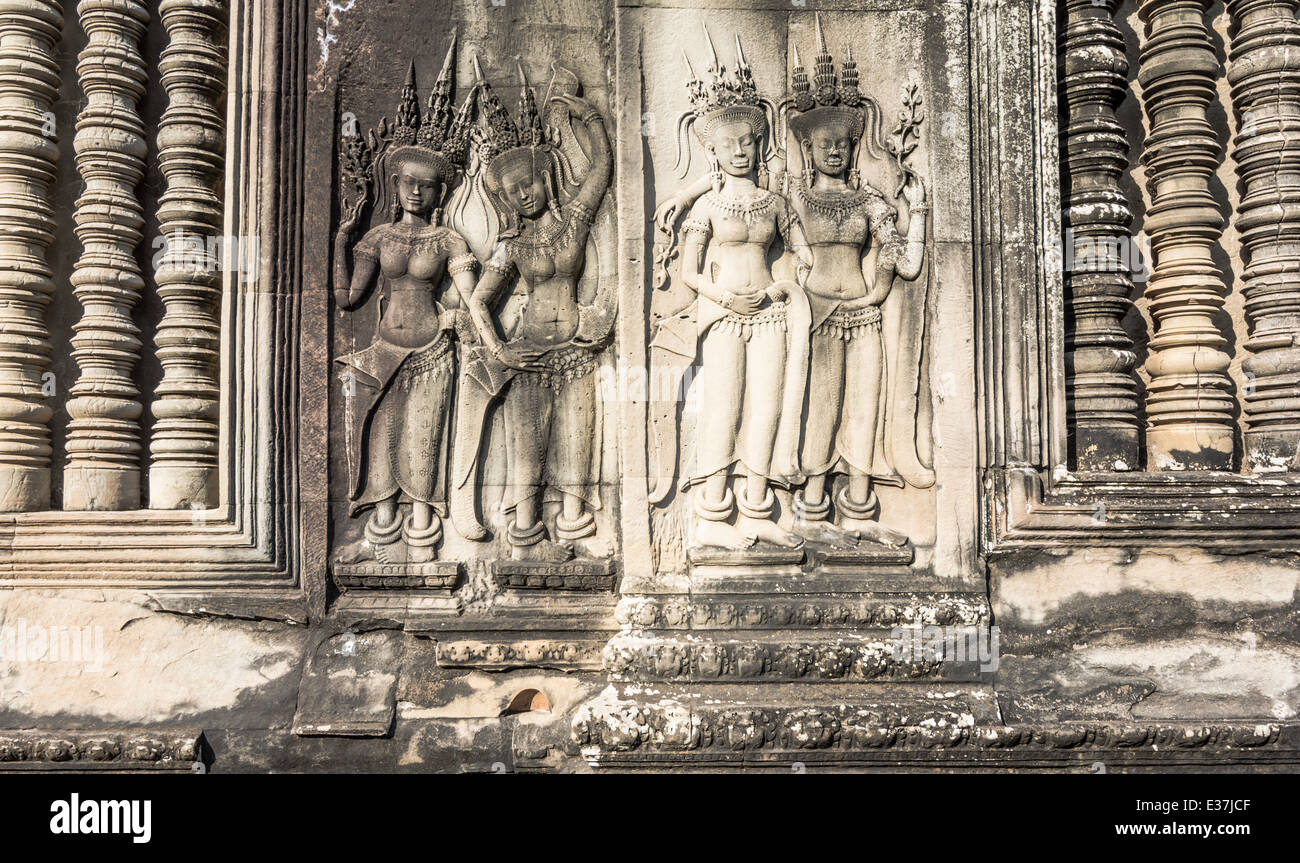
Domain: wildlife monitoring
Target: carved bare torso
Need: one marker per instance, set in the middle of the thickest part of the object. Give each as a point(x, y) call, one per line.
point(742, 231)
point(550, 259)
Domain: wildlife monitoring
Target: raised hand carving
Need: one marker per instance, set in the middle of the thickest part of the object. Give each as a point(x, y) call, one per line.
point(401, 387)
point(543, 371)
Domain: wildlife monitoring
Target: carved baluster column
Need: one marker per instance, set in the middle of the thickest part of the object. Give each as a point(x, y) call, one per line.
point(1265, 76)
point(103, 469)
point(29, 84)
point(1100, 359)
point(1189, 406)
point(191, 148)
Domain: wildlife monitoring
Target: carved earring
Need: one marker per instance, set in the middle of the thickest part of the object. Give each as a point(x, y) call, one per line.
point(553, 197)
point(809, 172)
point(396, 208)
point(715, 172)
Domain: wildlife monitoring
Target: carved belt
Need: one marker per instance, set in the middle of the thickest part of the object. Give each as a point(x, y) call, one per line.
point(769, 320)
point(847, 325)
point(562, 366)
point(436, 357)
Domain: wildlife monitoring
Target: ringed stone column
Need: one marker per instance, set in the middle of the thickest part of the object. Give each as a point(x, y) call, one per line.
point(1264, 72)
point(1100, 360)
point(1189, 406)
point(191, 145)
point(103, 468)
point(29, 85)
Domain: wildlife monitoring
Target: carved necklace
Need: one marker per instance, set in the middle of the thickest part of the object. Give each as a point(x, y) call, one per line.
point(749, 210)
point(833, 205)
point(542, 242)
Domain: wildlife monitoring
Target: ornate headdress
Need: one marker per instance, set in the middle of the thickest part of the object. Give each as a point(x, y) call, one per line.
point(720, 100)
point(504, 142)
point(441, 137)
point(829, 98)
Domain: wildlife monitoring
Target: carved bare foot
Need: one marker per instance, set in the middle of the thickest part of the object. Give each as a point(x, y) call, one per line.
point(720, 534)
point(355, 552)
point(543, 551)
point(768, 531)
point(871, 531)
point(596, 549)
point(827, 533)
point(421, 554)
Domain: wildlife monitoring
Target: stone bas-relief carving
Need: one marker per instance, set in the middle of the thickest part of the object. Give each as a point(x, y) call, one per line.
point(656, 657)
point(404, 382)
point(421, 397)
point(544, 371)
point(805, 379)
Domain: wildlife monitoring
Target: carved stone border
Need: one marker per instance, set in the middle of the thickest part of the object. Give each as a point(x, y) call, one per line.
point(247, 548)
point(111, 751)
point(1030, 497)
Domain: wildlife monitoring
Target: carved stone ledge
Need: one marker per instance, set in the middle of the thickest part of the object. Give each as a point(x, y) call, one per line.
point(591, 575)
point(715, 613)
point(561, 654)
point(1026, 508)
point(811, 657)
point(607, 727)
point(111, 751)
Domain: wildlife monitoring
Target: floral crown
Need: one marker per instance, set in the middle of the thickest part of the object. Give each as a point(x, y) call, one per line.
point(504, 142)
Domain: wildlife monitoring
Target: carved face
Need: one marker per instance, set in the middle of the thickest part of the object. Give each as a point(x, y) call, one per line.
point(830, 148)
point(524, 188)
point(419, 186)
point(735, 146)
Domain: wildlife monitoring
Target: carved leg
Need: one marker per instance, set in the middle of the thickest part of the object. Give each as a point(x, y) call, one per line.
point(532, 544)
point(714, 504)
point(575, 521)
point(812, 520)
point(859, 506)
point(422, 531)
point(756, 516)
point(383, 529)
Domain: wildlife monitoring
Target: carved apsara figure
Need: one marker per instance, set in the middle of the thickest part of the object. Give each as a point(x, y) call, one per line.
point(543, 371)
point(749, 327)
point(860, 407)
point(402, 385)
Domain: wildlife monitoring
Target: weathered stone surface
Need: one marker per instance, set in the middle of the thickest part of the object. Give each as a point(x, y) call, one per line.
point(589, 407)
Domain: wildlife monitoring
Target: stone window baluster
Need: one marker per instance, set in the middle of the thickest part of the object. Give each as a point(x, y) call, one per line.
point(191, 150)
point(1189, 404)
point(29, 84)
point(1105, 412)
point(103, 445)
point(1264, 72)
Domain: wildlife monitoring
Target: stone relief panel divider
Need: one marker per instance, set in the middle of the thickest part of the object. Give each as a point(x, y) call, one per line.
point(224, 532)
point(475, 422)
point(1034, 497)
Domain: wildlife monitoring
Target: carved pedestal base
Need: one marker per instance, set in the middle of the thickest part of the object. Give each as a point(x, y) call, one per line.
point(594, 575)
point(371, 575)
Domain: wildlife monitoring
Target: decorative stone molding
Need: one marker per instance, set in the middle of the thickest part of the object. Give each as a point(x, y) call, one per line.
point(748, 612)
point(561, 654)
point(112, 751)
point(103, 466)
point(191, 156)
point(611, 726)
point(1189, 406)
point(1099, 361)
point(1264, 72)
point(29, 86)
point(773, 658)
